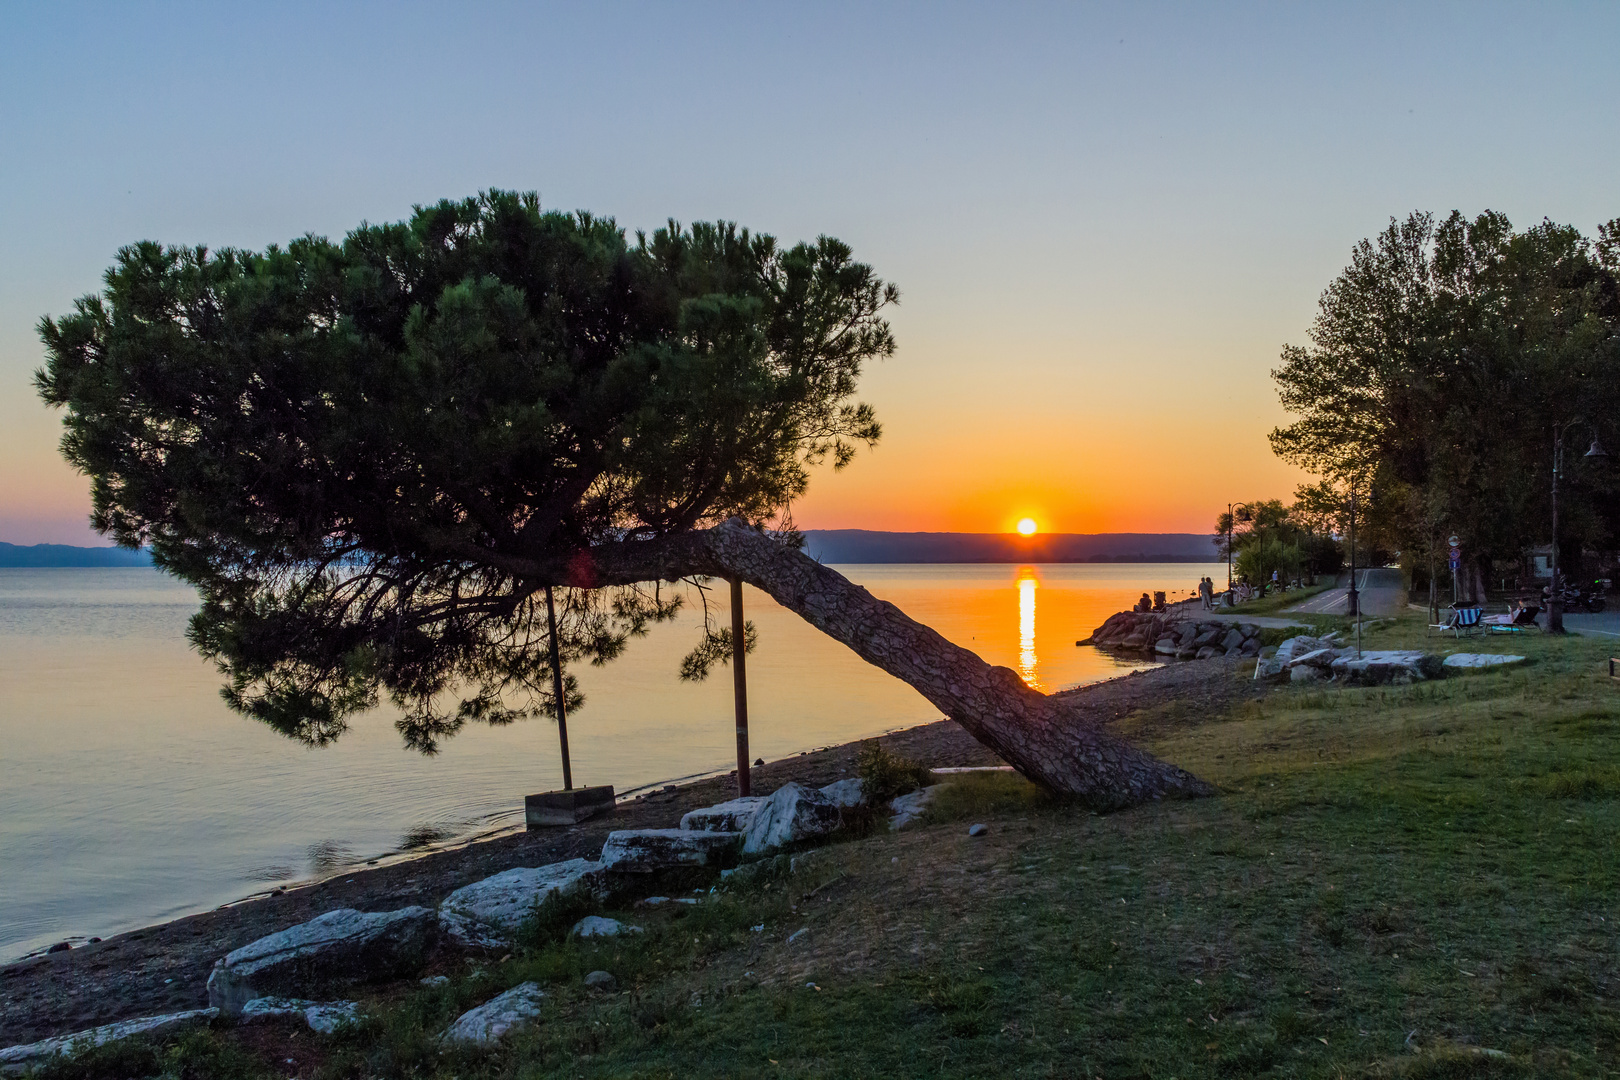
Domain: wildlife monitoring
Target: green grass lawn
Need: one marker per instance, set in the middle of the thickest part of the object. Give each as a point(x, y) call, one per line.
point(1415, 881)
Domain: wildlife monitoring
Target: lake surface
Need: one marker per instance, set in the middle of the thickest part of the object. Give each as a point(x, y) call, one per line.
point(130, 794)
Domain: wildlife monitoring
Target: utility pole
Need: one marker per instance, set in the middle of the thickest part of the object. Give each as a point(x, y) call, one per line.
point(1230, 522)
point(1354, 595)
point(739, 677)
point(1555, 596)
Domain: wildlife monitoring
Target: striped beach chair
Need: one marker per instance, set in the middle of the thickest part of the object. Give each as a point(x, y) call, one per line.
point(1463, 621)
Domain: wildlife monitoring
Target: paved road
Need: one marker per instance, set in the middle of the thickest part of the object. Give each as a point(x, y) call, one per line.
point(1382, 591)
point(1604, 625)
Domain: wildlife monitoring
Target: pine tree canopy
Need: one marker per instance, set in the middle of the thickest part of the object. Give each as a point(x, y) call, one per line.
point(371, 457)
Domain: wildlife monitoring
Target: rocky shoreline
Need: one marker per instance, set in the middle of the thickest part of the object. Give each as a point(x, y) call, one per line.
point(165, 969)
point(1177, 635)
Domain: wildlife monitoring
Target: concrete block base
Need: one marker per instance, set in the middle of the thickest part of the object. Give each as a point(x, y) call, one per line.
point(552, 808)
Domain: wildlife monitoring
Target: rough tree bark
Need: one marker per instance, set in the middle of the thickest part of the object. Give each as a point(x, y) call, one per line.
point(1039, 737)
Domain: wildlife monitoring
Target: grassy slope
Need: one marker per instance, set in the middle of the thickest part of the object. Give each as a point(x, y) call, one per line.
point(1393, 879)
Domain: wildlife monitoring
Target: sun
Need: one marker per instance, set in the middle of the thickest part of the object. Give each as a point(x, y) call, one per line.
point(1027, 527)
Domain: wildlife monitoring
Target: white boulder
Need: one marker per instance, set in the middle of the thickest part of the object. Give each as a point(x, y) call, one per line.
point(908, 808)
point(324, 1017)
point(731, 816)
point(793, 813)
point(1379, 666)
point(488, 913)
point(846, 794)
point(340, 946)
point(17, 1060)
point(496, 1018)
point(646, 850)
point(1479, 661)
point(597, 926)
point(1277, 664)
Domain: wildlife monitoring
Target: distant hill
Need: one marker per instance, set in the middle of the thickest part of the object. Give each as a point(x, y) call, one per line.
point(864, 546)
point(13, 555)
point(826, 545)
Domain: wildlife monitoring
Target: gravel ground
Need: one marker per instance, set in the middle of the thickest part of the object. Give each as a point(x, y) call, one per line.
point(165, 968)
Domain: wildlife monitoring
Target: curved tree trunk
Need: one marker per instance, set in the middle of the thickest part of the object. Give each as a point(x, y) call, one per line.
point(1038, 736)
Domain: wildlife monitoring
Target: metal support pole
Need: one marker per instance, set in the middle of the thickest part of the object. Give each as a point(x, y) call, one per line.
point(739, 676)
point(1434, 593)
point(1354, 594)
point(557, 690)
point(1555, 596)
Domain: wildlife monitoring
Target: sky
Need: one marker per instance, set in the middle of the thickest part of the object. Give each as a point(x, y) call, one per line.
point(1105, 220)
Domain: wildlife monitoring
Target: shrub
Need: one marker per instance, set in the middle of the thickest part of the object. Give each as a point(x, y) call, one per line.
point(884, 774)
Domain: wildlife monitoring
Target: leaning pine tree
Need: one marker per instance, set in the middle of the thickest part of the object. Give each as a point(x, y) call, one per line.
point(373, 458)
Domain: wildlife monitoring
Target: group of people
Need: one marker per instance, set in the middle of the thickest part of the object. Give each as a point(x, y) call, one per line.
point(1206, 593)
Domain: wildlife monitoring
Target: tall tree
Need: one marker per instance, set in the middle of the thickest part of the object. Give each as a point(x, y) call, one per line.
point(373, 457)
point(1440, 361)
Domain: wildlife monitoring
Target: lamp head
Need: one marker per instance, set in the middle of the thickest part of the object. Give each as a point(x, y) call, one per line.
point(1596, 451)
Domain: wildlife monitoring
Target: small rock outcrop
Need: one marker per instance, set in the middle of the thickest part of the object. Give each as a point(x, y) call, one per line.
point(324, 1017)
point(908, 808)
point(17, 1060)
point(601, 980)
point(1479, 661)
point(793, 813)
point(592, 926)
point(488, 913)
point(641, 851)
point(498, 1017)
point(341, 946)
point(731, 816)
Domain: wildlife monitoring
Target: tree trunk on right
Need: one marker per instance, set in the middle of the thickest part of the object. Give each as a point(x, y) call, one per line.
point(1038, 736)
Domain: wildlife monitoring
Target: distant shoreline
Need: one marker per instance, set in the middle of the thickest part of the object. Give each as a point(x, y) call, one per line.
point(53, 556)
point(832, 546)
point(868, 546)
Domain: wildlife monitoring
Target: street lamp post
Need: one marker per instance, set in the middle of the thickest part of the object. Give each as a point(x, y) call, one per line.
point(1231, 529)
point(1229, 547)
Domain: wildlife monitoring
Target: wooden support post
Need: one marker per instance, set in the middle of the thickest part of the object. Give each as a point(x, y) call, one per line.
point(739, 676)
point(557, 689)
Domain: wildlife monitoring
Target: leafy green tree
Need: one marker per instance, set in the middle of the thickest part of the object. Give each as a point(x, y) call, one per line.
point(1295, 540)
point(371, 457)
point(1441, 360)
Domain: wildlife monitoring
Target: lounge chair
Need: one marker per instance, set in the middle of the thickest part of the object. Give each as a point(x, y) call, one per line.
point(1521, 620)
point(1463, 621)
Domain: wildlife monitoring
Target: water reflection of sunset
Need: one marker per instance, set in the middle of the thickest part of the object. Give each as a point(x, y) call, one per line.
point(1028, 662)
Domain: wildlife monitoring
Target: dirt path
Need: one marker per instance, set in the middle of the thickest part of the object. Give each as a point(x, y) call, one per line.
point(165, 968)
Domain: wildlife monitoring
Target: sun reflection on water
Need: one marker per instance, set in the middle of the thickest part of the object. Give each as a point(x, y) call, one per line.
point(1027, 660)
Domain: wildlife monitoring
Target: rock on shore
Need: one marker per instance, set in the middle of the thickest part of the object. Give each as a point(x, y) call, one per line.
point(1176, 635)
point(488, 913)
point(17, 1060)
point(338, 947)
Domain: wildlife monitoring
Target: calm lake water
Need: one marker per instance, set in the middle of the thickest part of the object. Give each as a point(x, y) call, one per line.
point(129, 793)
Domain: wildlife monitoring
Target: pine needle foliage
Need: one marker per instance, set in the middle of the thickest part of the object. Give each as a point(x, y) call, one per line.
point(371, 456)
